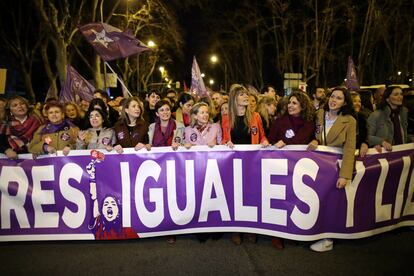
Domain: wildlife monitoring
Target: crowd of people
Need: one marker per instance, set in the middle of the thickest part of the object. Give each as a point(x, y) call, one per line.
point(351, 120)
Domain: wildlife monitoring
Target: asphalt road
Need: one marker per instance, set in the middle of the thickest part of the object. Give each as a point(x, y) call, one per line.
point(385, 254)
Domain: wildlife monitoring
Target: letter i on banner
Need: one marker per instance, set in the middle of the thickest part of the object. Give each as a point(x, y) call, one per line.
point(401, 187)
point(150, 219)
point(409, 203)
point(126, 194)
point(382, 212)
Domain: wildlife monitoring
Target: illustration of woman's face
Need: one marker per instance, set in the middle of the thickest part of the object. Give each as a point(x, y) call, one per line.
point(110, 208)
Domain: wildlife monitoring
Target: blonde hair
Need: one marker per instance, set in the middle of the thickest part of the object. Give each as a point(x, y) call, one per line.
point(17, 98)
point(194, 112)
point(79, 113)
point(235, 90)
point(261, 108)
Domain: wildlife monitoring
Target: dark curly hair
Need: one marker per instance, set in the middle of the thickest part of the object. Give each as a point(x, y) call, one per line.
point(105, 119)
point(308, 110)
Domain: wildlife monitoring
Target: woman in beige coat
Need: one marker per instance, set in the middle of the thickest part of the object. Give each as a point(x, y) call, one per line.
point(56, 134)
point(336, 127)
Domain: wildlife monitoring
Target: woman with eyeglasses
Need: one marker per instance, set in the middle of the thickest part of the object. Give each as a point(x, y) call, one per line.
point(98, 135)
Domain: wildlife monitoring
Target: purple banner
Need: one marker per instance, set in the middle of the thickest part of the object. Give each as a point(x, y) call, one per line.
point(288, 193)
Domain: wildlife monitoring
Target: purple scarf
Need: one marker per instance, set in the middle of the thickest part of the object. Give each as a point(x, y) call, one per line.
point(395, 118)
point(161, 139)
point(52, 128)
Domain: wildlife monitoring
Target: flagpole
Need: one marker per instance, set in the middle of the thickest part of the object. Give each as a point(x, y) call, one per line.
point(106, 88)
point(122, 83)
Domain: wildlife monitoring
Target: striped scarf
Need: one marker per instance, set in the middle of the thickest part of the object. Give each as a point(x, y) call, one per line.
point(19, 134)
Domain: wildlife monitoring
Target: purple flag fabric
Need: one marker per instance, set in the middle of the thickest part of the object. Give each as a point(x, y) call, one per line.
point(197, 84)
point(110, 42)
point(76, 87)
point(351, 76)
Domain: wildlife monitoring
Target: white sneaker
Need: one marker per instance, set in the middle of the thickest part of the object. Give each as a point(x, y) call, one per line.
point(322, 245)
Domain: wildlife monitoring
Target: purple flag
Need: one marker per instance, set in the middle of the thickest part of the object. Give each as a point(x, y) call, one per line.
point(110, 42)
point(75, 87)
point(197, 84)
point(351, 76)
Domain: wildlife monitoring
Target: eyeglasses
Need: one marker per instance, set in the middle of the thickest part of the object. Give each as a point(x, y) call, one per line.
point(94, 116)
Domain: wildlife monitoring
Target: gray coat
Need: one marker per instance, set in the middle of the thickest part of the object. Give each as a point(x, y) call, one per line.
point(178, 135)
point(381, 128)
point(93, 141)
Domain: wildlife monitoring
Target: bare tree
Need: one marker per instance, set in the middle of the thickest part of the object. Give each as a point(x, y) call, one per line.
point(150, 20)
point(22, 39)
point(60, 19)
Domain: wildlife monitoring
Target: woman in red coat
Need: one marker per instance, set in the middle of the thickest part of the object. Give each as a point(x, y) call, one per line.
point(296, 126)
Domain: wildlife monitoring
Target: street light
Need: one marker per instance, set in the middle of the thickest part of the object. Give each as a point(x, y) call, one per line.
point(211, 81)
point(151, 44)
point(214, 59)
point(164, 73)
